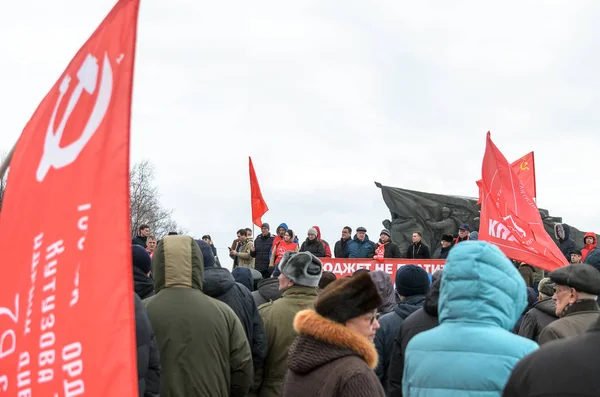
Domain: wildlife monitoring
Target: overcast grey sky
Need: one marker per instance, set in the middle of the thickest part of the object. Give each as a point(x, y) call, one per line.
point(329, 96)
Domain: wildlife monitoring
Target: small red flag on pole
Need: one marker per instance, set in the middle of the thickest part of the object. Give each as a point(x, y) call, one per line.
point(259, 207)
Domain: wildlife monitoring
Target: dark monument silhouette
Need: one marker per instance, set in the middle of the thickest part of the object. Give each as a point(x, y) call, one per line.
point(436, 214)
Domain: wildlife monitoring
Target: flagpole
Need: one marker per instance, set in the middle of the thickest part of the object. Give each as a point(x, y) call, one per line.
point(6, 161)
point(534, 177)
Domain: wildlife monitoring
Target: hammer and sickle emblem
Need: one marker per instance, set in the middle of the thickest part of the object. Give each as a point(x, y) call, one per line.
point(56, 157)
point(524, 165)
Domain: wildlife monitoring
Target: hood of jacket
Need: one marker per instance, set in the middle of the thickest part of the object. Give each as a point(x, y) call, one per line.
point(590, 246)
point(318, 229)
point(177, 261)
point(243, 275)
point(217, 281)
point(432, 298)
point(481, 285)
point(547, 306)
point(142, 284)
point(321, 341)
point(384, 285)
point(269, 289)
point(409, 305)
point(562, 231)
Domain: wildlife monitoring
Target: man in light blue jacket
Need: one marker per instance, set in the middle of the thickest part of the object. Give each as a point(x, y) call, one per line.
point(472, 351)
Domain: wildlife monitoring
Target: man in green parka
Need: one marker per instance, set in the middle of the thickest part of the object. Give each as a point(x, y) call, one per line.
point(203, 348)
point(299, 274)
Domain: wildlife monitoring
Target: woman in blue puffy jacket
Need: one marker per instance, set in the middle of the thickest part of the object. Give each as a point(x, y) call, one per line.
point(472, 351)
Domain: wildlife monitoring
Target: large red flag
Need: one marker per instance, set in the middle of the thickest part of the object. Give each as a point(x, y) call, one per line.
point(510, 218)
point(524, 168)
point(259, 206)
point(66, 293)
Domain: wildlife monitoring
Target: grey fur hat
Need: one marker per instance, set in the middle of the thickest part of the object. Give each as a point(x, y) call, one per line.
point(302, 268)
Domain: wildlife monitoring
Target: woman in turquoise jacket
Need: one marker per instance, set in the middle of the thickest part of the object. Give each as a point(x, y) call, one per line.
point(472, 351)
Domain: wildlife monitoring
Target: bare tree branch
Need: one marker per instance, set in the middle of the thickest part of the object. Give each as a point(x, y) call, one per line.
point(145, 205)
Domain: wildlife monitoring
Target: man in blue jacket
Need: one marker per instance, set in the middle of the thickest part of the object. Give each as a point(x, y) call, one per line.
point(472, 351)
point(360, 246)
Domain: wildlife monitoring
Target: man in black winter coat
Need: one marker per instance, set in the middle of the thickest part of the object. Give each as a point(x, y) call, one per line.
point(142, 266)
point(262, 250)
point(542, 313)
point(148, 358)
point(412, 283)
point(567, 367)
point(340, 249)
point(418, 250)
point(385, 247)
point(422, 320)
point(220, 284)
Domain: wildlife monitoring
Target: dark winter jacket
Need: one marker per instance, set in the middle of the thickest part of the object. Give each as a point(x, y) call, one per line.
point(442, 252)
point(193, 331)
point(568, 367)
point(418, 251)
point(329, 360)
point(532, 298)
point(579, 317)
point(390, 250)
point(315, 247)
point(148, 358)
point(421, 320)
point(262, 251)
point(243, 275)
point(142, 284)
point(268, 290)
point(389, 327)
point(139, 240)
point(220, 284)
point(562, 232)
point(341, 248)
point(361, 249)
point(537, 318)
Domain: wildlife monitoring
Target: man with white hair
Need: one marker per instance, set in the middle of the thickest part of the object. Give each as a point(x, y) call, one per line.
point(577, 288)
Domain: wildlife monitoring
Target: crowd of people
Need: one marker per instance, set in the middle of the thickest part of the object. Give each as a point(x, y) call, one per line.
point(278, 325)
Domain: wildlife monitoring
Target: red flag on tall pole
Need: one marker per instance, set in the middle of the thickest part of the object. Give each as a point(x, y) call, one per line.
point(64, 227)
point(510, 218)
point(524, 168)
point(259, 206)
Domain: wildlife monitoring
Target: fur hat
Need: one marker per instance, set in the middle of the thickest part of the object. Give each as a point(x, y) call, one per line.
point(312, 230)
point(412, 280)
point(348, 298)
point(326, 279)
point(546, 287)
point(447, 237)
point(302, 268)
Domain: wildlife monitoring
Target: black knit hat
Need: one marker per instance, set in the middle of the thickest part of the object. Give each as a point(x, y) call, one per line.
point(349, 297)
point(412, 280)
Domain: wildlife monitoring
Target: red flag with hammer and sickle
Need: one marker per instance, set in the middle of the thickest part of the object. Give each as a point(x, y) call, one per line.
point(510, 218)
point(67, 324)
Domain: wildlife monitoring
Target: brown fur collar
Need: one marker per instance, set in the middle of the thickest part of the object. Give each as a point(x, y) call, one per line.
point(308, 322)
